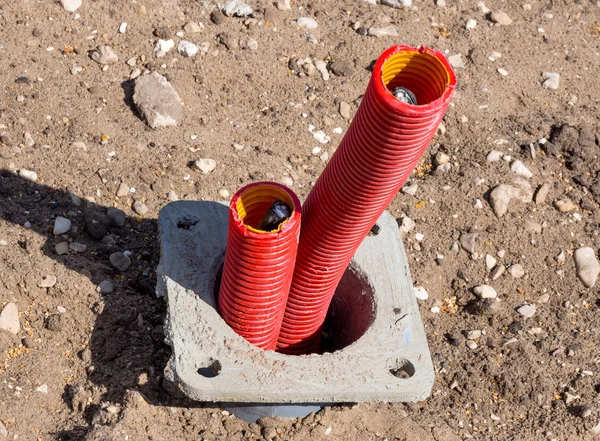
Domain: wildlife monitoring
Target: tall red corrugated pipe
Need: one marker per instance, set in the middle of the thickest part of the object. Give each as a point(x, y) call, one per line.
point(259, 265)
point(379, 151)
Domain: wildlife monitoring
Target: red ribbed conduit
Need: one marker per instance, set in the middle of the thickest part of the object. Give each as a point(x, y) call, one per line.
point(258, 264)
point(382, 146)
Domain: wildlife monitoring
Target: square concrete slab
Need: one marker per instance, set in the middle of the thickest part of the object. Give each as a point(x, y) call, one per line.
point(374, 330)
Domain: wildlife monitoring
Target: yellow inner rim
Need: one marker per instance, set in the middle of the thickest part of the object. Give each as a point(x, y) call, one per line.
point(253, 203)
point(421, 73)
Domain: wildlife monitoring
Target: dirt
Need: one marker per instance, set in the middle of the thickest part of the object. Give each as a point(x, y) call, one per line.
point(101, 356)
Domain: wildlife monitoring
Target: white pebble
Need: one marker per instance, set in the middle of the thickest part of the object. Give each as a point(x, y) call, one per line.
point(42, 389)
point(519, 168)
point(485, 292)
point(419, 237)
point(550, 80)
point(61, 226)
point(28, 175)
point(494, 156)
point(163, 46)
point(502, 72)
point(224, 193)
point(471, 24)
point(123, 27)
point(316, 151)
point(526, 311)
point(71, 5)
point(187, 49)
point(306, 23)
point(420, 293)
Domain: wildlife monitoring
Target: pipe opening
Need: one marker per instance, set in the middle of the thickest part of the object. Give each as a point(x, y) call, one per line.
point(253, 203)
point(421, 73)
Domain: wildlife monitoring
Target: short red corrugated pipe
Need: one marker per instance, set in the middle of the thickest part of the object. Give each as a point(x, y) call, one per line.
point(382, 146)
point(259, 265)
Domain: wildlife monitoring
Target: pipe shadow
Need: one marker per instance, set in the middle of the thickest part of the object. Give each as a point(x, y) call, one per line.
point(127, 348)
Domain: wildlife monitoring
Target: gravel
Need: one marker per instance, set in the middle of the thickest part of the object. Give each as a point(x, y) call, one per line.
point(28, 175)
point(501, 18)
point(120, 261)
point(62, 225)
point(106, 287)
point(71, 5)
point(306, 23)
point(526, 311)
point(47, 281)
point(104, 55)
point(587, 266)
point(140, 208)
point(9, 318)
point(388, 31)
point(157, 101)
point(550, 80)
point(485, 292)
point(204, 165)
point(516, 270)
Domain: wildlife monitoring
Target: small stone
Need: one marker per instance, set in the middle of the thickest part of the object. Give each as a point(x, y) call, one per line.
point(407, 224)
point(587, 266)
point(500, 198)
point(116, 217)
point(71, 5)
point(287, 180)
point(76, 70)
point(501, 18)
point(3, 430)
point(322, 68)
point(191, 27)
point(96, 222)
point(217, 17)
point(78, 247)
point(47, 281)
point(533, 227)
point(502, 71)
point(456, 61)
point(187, 49)
point(494, 156)
point(485, 292)
point(420, 293)
point(123, 190)
point(516, 270)
point(471, 24)
point(62, 248)
point(389, 31)
point(340, 68)
point(569, 398)
point(104, 55)
point(61, 226)
point(410, 189)
point(284, 5)
point(43, 389)
point(54, 323)
point(398, 4)
point(237, 8)
point(550, 80)
point(471, 344)
point(123, 27)
point(490, 261)
point(478, 204)
point(441, 158)
point(204, 165)
point(29, 141)
point(140, 208)
point(499, 342)
point(9, 318)
point(224, 193)
point(306, 23)
point(519, 168)
point(501, 253)
point(526, 311)
point(120, 261)
point(28, 175)
point(467, 242)
point(564, 205)
point(172, 196)
point(497, 272)
point(163, 46)
point(106, 287)
point(542, 193)
point(252, 44)
point(78, 145)
point(345, 110)
point(157, 101)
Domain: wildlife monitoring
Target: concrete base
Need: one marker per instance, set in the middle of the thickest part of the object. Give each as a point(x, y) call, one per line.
point(379, 349)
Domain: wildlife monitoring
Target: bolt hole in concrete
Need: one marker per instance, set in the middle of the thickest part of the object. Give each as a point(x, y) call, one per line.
point(211, 370)
point(350, 314)
point(186, 223)
point(402, 369)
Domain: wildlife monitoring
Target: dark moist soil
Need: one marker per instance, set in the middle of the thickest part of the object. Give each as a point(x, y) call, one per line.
point(102, 357)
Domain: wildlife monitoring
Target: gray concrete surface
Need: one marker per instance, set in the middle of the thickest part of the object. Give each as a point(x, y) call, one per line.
point(212, 363)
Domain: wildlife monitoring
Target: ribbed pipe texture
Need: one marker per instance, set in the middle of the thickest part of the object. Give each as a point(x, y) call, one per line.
point(382, 146)
point(258, 265)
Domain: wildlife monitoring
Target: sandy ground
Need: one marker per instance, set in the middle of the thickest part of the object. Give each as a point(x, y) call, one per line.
point(87, 364)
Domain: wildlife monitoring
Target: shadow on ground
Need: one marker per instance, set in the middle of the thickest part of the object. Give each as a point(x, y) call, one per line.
point(126, 349)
